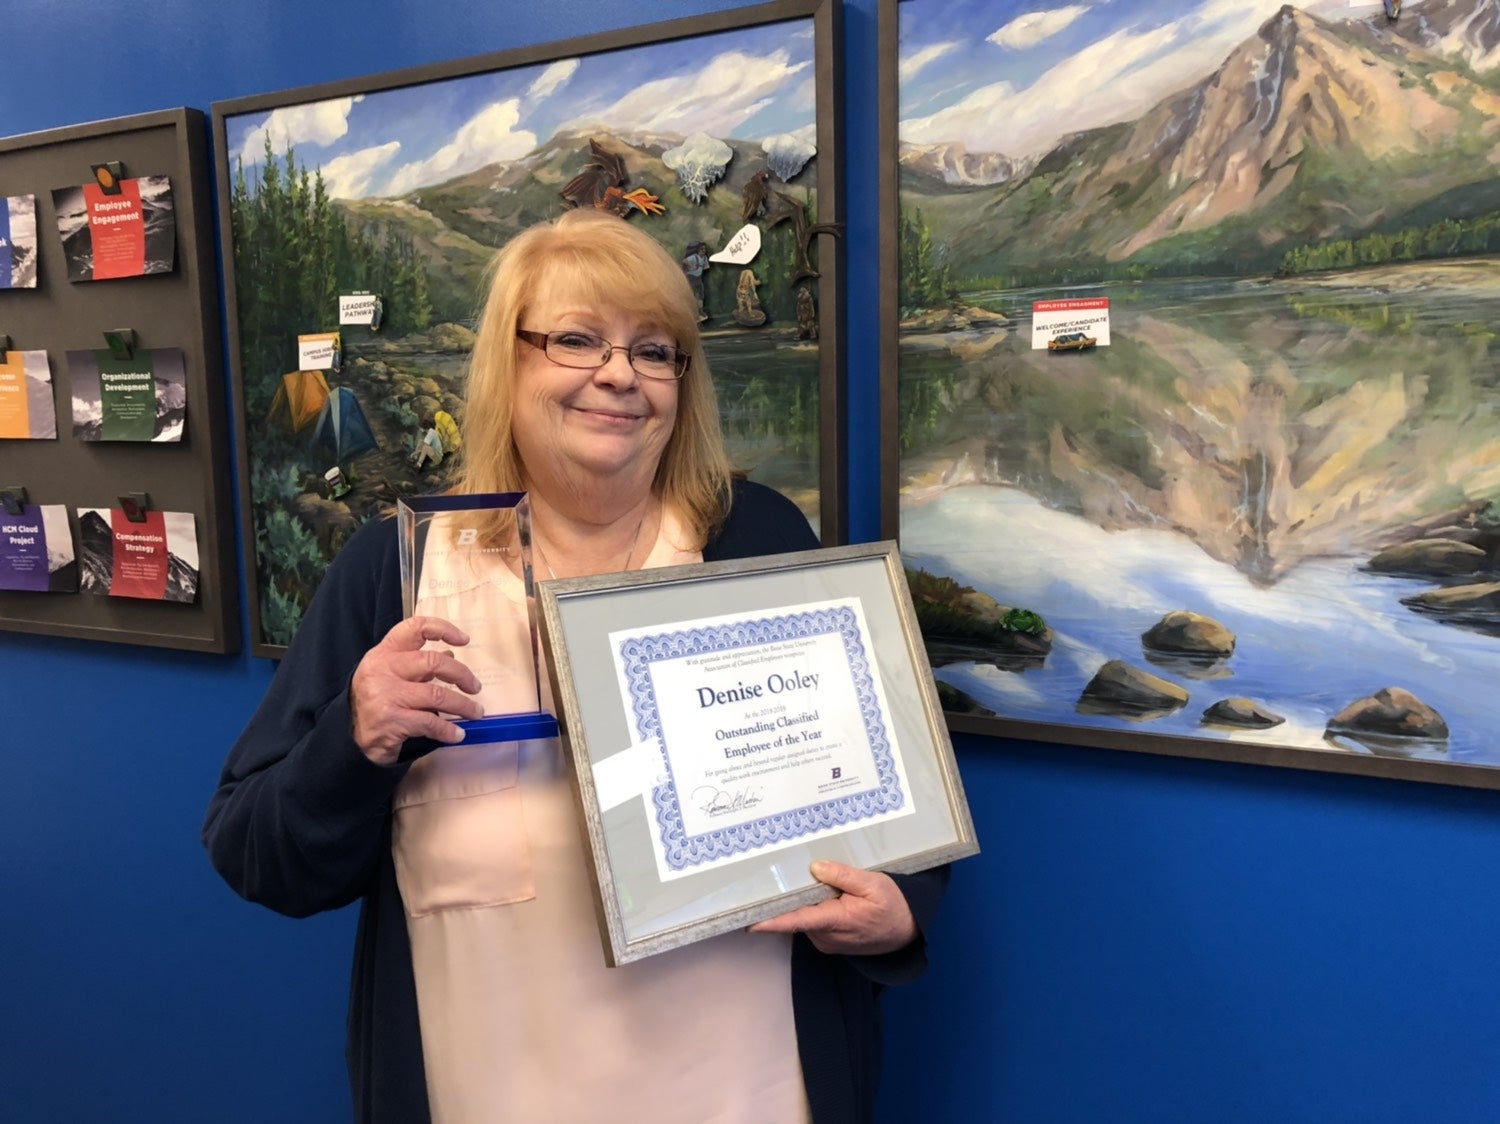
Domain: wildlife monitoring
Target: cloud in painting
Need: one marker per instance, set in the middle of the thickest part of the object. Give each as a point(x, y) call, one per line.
point(1036, 27)
point(918, 61)
point(489, 137)
point(552, 79)
point(318, 123)
point(1115, 78)
point(729, 90)
point(349, 176)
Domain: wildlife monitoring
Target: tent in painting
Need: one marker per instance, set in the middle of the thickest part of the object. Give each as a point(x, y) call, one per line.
point(299, 400)
point(343, 430)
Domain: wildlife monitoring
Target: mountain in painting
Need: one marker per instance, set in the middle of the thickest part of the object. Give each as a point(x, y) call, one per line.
point(1309, 130)
point(1460, 29)
point(956, 166)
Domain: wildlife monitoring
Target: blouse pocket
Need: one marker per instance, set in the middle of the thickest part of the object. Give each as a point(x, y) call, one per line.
point(459, 836)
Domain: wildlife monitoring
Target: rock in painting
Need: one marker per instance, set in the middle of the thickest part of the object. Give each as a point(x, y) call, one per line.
point(961, 622)
point(1390, 712)
point(1189, 634)
point(954, 317)
point(1239, 711)
point(1474, 606)
point(1119, 688)
point(1483, 597)
point(1430, 557)
point(954, 701)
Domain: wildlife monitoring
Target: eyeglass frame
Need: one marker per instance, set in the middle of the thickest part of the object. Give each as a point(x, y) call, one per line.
point(539, 341)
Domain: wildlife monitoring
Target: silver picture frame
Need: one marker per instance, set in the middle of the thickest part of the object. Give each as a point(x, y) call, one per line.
point(859, 766)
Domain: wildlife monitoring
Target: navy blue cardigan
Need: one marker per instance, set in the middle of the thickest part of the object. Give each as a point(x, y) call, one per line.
point(301, 822)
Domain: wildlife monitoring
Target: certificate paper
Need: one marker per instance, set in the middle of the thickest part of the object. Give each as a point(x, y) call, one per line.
point(771, 730)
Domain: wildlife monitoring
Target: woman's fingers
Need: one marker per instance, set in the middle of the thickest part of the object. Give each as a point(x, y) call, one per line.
point(403, 689)
point(870, 915)
point(431, 664)
point(431, 697)
point(413, 632)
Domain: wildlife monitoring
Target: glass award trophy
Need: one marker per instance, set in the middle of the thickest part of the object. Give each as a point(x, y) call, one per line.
point(467, 559)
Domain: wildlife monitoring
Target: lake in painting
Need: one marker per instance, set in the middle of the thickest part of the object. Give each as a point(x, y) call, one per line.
point(1242, 450)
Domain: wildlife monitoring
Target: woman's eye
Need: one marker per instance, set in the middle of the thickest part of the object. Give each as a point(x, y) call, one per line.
point(575, 341)
point(653, 353)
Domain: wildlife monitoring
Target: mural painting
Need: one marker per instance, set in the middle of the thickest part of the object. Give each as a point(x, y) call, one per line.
point(1262, 512)
point(405, 193)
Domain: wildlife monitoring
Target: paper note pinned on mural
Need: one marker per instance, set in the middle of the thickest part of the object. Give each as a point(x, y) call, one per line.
point(360, 308)
point(741, 249)
point(319, 351)
point(1074, 324)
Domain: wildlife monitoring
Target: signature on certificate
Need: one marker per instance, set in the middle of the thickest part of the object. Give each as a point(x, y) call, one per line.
point(720, 802)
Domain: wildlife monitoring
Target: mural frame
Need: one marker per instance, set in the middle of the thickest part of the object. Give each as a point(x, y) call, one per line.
point(1334, 759)
point(820, 181)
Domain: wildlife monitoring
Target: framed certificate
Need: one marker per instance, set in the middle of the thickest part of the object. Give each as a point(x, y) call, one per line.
point(731, 722)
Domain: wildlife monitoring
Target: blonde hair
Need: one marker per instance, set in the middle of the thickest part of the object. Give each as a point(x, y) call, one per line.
point(607, 261)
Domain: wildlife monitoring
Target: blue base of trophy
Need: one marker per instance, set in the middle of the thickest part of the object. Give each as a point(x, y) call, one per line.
point(508, 728)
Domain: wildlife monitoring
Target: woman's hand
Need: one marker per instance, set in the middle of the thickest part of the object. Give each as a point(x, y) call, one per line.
point(870, 915)
point(399, 688)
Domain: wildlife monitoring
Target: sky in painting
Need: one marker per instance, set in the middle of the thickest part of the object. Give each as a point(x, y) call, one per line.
point(1013, 78)
point(748, 84)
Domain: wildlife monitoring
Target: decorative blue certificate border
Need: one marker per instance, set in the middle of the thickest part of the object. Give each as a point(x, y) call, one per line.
point(682, 850)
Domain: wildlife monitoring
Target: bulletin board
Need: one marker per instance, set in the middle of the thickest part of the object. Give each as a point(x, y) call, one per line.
point(169, 307)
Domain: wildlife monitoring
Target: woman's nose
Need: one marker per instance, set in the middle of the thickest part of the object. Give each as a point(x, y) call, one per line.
point(616, 370)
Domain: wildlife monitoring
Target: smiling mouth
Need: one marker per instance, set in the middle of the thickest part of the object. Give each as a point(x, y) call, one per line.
point(615, 415)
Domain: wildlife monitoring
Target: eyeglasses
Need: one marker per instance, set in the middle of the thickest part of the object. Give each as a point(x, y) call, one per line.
point(580, 349)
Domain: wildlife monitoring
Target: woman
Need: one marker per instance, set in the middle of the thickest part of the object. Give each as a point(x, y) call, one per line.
point(479, 988)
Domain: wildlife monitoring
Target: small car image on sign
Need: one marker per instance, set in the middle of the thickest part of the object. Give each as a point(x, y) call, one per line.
point(1071, 341)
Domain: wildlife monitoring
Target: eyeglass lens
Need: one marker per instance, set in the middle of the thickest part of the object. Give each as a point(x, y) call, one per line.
point(579, 349)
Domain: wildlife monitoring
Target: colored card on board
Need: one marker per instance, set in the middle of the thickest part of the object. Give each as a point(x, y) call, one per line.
point(155, 559)
point(18, 242)
point(36, 550)
point(27, 409)
point(143, 398)
point(131, 233)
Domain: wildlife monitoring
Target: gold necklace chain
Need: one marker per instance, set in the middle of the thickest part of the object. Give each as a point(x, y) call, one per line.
point(634, 543)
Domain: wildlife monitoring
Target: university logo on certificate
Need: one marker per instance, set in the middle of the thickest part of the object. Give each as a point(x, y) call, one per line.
point(759, 730)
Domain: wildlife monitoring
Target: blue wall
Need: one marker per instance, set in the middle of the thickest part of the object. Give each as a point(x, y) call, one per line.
point(1143, 939)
